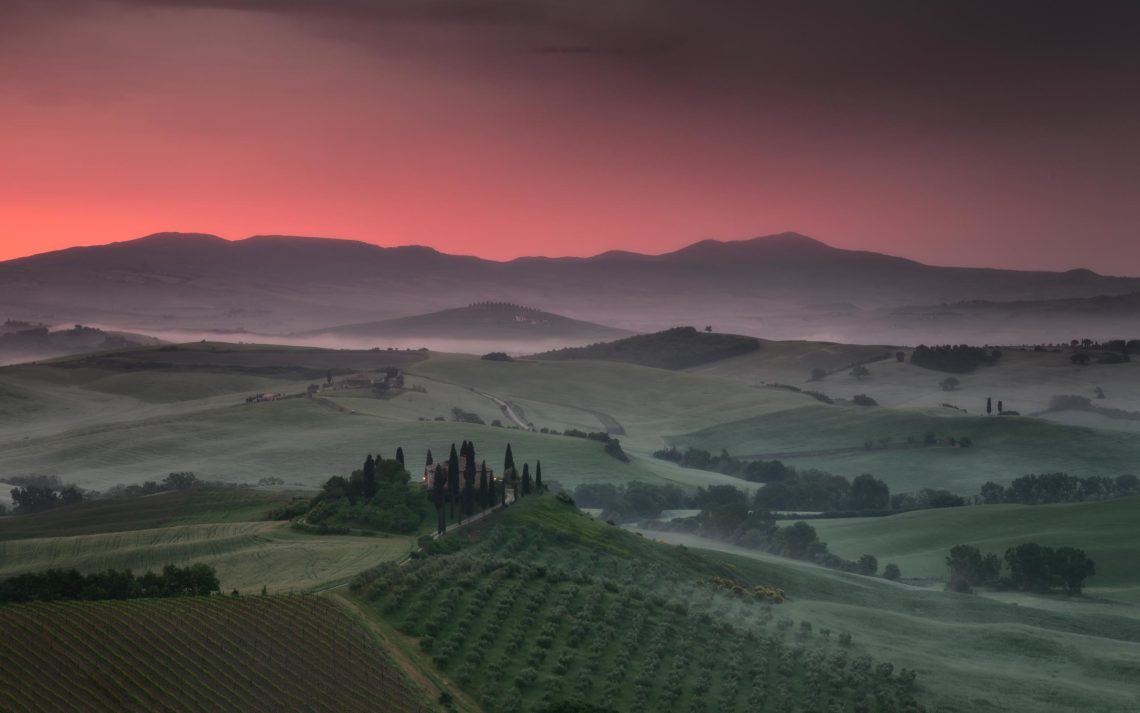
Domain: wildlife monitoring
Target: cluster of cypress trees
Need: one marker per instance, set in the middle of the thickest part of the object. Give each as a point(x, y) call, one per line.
point(454, 490)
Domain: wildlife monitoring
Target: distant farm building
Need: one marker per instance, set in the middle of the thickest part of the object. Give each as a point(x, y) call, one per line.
point(429, 472)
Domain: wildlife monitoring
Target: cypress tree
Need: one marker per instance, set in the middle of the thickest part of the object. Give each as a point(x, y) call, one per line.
point(526, 479)
point(538, 476)
point(400, 457)
point(508, 461)
point(469, 490)
point(453, 478)
point(438, 496)
point(469, 483)
point(989, 404)
point(369, 482)
point(503, 485)
point(483, 486)
point(429, 459)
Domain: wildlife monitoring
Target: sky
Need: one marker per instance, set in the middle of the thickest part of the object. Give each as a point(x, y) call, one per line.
point(1000, 133)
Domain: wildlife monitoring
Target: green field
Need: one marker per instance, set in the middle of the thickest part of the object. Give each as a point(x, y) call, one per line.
point(121, 418)
point(918, 541)
point(247, 555)
point(176, 507)
point(972, 654)
point(577, 597)
point(542, 603)
point(270, 654)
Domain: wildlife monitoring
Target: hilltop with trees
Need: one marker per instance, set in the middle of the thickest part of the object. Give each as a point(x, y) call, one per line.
point(677, 348)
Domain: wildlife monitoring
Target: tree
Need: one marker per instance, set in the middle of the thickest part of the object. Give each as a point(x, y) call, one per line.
point(892, 572)
point(439, 496)
point(950, 383)
point(992, 493)
point(1001, 406)
point(1071, 566)
point(483, 486)
point(508, 460)
point(368, 483)
point(868, 565)
point(429, 459)
point(526, 479)
point(1028, 566)
point(400, 456)
point(1127, 485)
point(179, 481)
point(989, 405)
point(968, 568)
point(33, 498)
point(869, 493)
point(538, 486)
point(860, 372)
point(469, 489)
point(453, 478)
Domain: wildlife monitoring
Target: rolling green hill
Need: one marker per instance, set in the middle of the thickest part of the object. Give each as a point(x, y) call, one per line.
point(176, 507)
point(835, 438)
point(918, 541)
point(972, 654)
point(482, 321)
point(542, 604)
point(246, 555)
point(266, 654)
point(569, 607)
point(677, 348)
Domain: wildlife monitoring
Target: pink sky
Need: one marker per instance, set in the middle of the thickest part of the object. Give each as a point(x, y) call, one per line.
point(116, 122)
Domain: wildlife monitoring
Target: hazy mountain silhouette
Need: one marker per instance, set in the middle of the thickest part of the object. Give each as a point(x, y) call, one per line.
point(771, 285)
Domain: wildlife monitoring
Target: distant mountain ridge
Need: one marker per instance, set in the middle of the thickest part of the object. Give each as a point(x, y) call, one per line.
point(285, 284)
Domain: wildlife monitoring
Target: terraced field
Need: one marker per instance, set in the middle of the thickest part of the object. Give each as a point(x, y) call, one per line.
point(255, 654)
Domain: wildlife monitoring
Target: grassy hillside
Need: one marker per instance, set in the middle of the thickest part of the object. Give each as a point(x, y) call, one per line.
point(972, 654)
point(247, 555)
point(102, 423)
point(251, 654)
point(1025, 380)
point(543, 604)
point(677, 348)
point(833, 438)
point(918, 541)
point(594, 612)
point(178, 507)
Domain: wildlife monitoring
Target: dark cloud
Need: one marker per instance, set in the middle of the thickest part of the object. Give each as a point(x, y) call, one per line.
point(998, 61)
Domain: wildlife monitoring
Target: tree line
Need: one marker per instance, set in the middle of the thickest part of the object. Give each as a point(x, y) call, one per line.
point(1028, 567)
point(1046, 488)
point(40, 493)
point(953, 358)
point(377, 496)
point(68, 584)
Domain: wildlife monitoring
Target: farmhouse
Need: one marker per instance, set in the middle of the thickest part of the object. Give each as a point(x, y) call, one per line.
point(429, 471)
